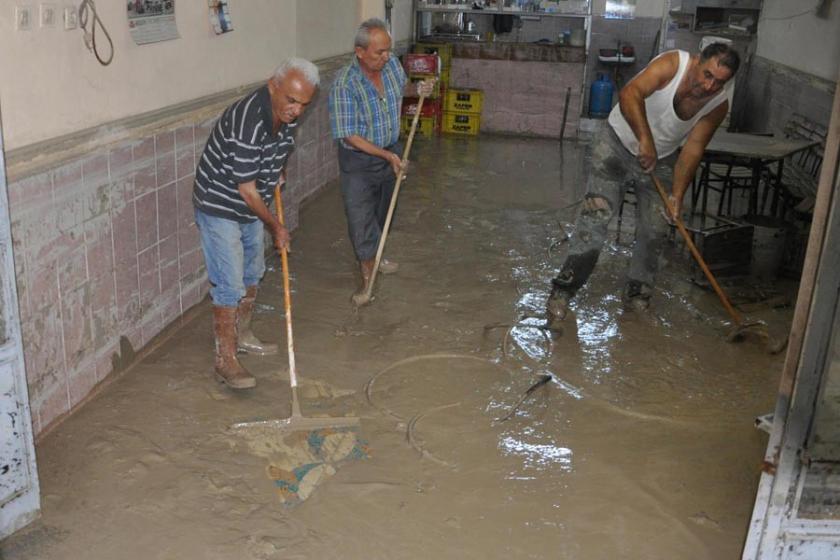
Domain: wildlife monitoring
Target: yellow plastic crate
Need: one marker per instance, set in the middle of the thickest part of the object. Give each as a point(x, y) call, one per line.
point(443, 50)
point(444, 78)
point(461, 123)
point(420, 77)
point(463, 101)
point(426, 126)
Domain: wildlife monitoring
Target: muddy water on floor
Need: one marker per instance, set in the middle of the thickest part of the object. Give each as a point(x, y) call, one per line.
point(641, 445)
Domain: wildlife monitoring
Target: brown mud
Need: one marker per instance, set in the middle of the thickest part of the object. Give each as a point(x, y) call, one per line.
point(641, 445)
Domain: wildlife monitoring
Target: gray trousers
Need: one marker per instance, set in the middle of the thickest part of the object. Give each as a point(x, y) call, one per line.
point(367, 183)
point(614, 170)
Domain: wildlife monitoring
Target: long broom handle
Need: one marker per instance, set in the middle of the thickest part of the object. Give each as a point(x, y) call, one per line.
point(287, 293)
point(393, 204)
point(696, 254)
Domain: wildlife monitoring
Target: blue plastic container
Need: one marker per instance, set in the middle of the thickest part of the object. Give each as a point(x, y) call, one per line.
point(600, 97)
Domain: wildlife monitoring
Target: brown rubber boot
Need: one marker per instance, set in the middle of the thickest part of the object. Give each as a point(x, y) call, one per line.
point(228, 369)
point(388, 267)
point(246, 341)
point(366, 267)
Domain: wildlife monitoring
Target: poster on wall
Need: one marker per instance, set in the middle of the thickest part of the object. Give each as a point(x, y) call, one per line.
point(220, 16)
point(151, 21)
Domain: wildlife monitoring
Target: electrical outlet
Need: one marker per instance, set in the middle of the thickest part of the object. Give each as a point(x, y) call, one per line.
point(23, 18)
point(71, 18)
point(48, 15)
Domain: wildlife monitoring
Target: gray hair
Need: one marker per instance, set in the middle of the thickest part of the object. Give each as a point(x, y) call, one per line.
point(363, 34)
point(307, 69)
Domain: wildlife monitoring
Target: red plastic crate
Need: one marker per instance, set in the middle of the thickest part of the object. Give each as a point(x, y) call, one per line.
point(431, 107)
point(421, 63)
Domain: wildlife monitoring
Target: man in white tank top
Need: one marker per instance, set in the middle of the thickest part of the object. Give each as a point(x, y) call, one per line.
point(677, 100)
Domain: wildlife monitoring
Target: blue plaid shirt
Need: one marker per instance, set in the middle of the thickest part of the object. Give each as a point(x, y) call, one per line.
point(357, 109)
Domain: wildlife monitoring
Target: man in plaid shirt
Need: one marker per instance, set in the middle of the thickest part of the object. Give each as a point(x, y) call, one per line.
point(365, 104)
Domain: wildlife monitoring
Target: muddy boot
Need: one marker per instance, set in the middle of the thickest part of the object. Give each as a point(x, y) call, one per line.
point(388, 267)
point(246, 340)
point(557, 307)
point(637, 296)
point(228, 369)
point(366, 268)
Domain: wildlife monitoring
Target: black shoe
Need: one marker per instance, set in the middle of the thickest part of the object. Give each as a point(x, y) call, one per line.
point(637, 295)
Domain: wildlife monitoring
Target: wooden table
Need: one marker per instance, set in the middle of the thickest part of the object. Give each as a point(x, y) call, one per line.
point(755, 153)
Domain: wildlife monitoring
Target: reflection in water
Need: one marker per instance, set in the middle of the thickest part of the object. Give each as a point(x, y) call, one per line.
point(596, 329)
point(538, 455)
point(531, 339)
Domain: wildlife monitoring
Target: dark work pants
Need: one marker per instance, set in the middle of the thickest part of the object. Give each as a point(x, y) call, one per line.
point(367, 183)
point(613, 171)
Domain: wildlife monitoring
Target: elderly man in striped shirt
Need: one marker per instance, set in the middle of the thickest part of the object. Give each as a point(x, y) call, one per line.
point(365, 104)
point(234, 185)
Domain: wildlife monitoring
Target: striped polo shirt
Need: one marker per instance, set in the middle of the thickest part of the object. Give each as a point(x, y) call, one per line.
point(356, 107)
point(241, 148)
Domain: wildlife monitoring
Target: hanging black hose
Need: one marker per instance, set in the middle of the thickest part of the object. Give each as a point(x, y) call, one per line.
point(87, 9)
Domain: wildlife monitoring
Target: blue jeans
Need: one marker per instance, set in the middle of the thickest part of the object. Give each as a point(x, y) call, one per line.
point(235, 256)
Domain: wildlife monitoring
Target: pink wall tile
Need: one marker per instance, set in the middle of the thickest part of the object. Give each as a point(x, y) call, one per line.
point(52, 404)
point(167, 208)
point(184, 162)
point(183, 194)
point(43, 284)
point(147, 227)
point(108, 248)
point(165, 168)
point(76, 325)
point(95, 169)
point(149, 268)
point(144, 150)
point(82, 382)
point(124, 228)
point(43, 350)
point(127, 286)
point(120, 161)
point(145, 178)
point(168, 250)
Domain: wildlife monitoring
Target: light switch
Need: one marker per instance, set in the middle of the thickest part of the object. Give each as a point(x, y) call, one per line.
point(23, 18)
point(48, 15)
point(71, 18)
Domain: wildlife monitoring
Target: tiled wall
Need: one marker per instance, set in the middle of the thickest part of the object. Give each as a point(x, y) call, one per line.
point(774, 92)
point(523, 97)
point(107, 252)
point(606, 34)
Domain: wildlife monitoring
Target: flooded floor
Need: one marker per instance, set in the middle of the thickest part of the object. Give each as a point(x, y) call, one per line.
point(641, 445)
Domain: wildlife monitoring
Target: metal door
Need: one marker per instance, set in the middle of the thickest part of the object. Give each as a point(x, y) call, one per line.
point(19, 499)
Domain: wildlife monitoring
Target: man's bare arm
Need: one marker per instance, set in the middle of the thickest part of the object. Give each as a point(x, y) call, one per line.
point(692, 152)
point(632, 97)
point(252, 198)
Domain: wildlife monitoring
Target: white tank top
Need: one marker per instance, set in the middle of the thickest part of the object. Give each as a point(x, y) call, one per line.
point(669, 131)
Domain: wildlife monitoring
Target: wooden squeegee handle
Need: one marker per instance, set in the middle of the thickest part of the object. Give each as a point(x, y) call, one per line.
point(696, 254)
point(287, 292)
point(381, 248)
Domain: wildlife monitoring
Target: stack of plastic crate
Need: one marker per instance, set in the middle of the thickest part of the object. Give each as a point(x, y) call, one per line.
point(419, 67)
